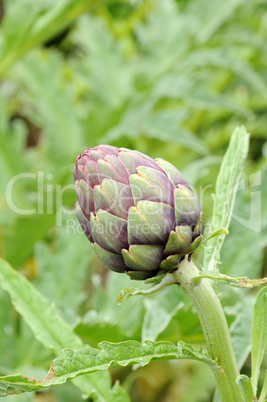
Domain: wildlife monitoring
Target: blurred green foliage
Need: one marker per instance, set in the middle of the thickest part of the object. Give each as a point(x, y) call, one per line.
point(168, 78)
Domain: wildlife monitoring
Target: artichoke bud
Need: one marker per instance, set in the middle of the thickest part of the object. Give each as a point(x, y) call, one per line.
point(140, 214)
point(171, 262)
point(199, 229)
point(179, 240)
point(194, 245)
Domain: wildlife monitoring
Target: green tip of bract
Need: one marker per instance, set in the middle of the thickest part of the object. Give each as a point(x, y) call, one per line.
point(140, 214)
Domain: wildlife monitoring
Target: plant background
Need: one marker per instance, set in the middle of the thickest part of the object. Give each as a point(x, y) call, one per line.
point(169, 78)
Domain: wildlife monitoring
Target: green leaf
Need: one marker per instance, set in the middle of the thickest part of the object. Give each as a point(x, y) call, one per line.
point(41, 316)
point(226, 187)
point(218, 232)
point(240, 329)
point(242, 282)
point(224, 57)
point(22, 398)
point(42, 72)
point(48, 328)
point(98, 385)
point(73, 363)
point(248, 230)
point(198, 168)
point(165, 280)
point(120, 355)
point(264, 389)
point(110, 73)
point(109, 320)
point(25, 231)
point(159, 312)
point(194, 94)
point(63, 271)
point(259, 336)
point(7, 333)
point(30, 29)
point(212, 16)
point(166, 125)
point(244, 382)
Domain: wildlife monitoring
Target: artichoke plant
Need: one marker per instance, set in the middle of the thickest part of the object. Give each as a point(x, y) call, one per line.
point(140, 214)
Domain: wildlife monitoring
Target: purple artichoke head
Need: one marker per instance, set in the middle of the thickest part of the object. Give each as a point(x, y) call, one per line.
point(140, 214)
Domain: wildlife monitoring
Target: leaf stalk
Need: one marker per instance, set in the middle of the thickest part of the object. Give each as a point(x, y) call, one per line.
point(215, 329)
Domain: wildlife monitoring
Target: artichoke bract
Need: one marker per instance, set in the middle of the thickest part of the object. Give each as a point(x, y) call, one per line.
point(139, 213)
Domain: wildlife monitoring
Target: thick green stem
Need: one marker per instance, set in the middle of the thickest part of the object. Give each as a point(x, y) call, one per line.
point(215, 329)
